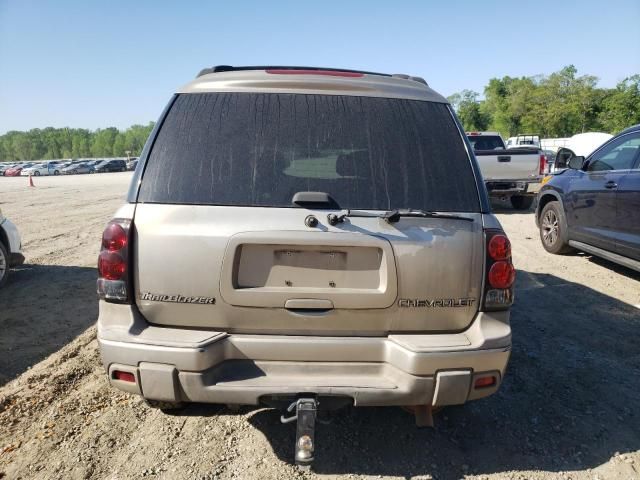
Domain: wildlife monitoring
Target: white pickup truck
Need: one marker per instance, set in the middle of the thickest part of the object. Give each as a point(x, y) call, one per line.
point(513, 173)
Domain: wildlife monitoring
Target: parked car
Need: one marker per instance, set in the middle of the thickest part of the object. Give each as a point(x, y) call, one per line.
point(77, 168)
point(10, 246)
point(594, 205)
point(6, 166)
point(314, 239)
point(110, 166)
point(16, 170)
point(515, 173)
point(45, 168)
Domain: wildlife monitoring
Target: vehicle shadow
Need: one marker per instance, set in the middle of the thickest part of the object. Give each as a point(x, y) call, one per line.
point(42, 308)
point(504, 207)
point(566, 402)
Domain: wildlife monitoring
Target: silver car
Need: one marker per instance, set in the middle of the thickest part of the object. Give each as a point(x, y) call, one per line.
point(306, 239)
point(76, 168)
point(10, 248)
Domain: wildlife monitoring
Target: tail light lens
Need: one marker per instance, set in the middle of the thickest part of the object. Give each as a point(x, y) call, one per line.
point(114, 237)
point(113, 263)
point(499, 247)
point(543, 164)
point(502, 275)
point(500, 272)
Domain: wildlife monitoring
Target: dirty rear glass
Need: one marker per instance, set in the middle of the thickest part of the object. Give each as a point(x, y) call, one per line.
point(260, 149)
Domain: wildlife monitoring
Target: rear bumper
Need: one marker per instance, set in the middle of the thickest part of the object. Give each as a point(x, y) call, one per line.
point(215, 367)
point(513, 187)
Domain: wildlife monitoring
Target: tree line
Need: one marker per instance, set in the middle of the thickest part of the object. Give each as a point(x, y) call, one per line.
point(52, 143)
point(558, 105)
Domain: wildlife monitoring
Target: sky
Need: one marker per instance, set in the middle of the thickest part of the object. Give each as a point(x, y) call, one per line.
point(96, 64)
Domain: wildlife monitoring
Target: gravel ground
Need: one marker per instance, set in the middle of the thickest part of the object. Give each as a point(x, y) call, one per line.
point(569, 406)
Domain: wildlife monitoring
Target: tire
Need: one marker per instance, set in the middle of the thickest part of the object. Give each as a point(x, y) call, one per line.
point(4, 264)
point(519, 202)
point(56, 172)
point(553, 229)
point(36, 173)
point(164, 406)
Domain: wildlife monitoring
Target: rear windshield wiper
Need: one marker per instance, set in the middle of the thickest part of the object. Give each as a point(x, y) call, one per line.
point(392, 216)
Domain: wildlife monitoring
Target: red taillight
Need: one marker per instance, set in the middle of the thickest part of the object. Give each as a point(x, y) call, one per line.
point(111, 265)
point(114, 237)
point(502, 275)
point(113, 275)
point(124, 376)
point(543, 164)
point(332, 73)
point(499, 247)
point(483, 382)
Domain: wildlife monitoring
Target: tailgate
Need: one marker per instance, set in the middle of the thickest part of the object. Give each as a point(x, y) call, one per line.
point(510, 164)
point(261, 270)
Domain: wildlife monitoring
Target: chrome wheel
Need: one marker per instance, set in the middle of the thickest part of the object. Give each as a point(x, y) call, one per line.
point(550, 228)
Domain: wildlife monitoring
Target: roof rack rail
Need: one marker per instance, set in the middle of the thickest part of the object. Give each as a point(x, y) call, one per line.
point(229, 68)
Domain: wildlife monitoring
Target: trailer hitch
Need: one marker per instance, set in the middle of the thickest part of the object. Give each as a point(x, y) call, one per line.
point(305, 415)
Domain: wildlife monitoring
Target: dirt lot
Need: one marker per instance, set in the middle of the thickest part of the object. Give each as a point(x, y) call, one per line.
point(569, 407)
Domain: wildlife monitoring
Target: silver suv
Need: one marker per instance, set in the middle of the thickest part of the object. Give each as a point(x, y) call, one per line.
point(306, 238)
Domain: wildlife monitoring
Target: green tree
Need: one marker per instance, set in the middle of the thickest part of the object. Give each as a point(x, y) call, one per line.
point(468, 109)
point(621, 106)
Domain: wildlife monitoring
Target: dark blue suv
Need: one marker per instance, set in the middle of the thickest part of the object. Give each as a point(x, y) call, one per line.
point(594, 206)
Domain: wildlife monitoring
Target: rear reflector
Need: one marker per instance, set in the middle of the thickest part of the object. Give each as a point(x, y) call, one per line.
point(330, 73)
point(483, 382)
point(124, 376)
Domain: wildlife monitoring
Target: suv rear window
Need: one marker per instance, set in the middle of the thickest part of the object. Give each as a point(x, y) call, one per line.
point(248, 149)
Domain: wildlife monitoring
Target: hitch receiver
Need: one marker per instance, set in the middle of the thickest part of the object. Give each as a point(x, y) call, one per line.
point(305, 416)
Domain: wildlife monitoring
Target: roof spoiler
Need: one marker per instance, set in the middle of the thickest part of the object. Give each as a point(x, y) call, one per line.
point(230, 68)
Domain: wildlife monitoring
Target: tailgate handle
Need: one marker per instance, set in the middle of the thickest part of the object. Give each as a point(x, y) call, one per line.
point(308, 304)
point(504, 158)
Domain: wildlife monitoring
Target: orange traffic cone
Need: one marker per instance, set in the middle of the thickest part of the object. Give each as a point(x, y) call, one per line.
point(31, 181)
